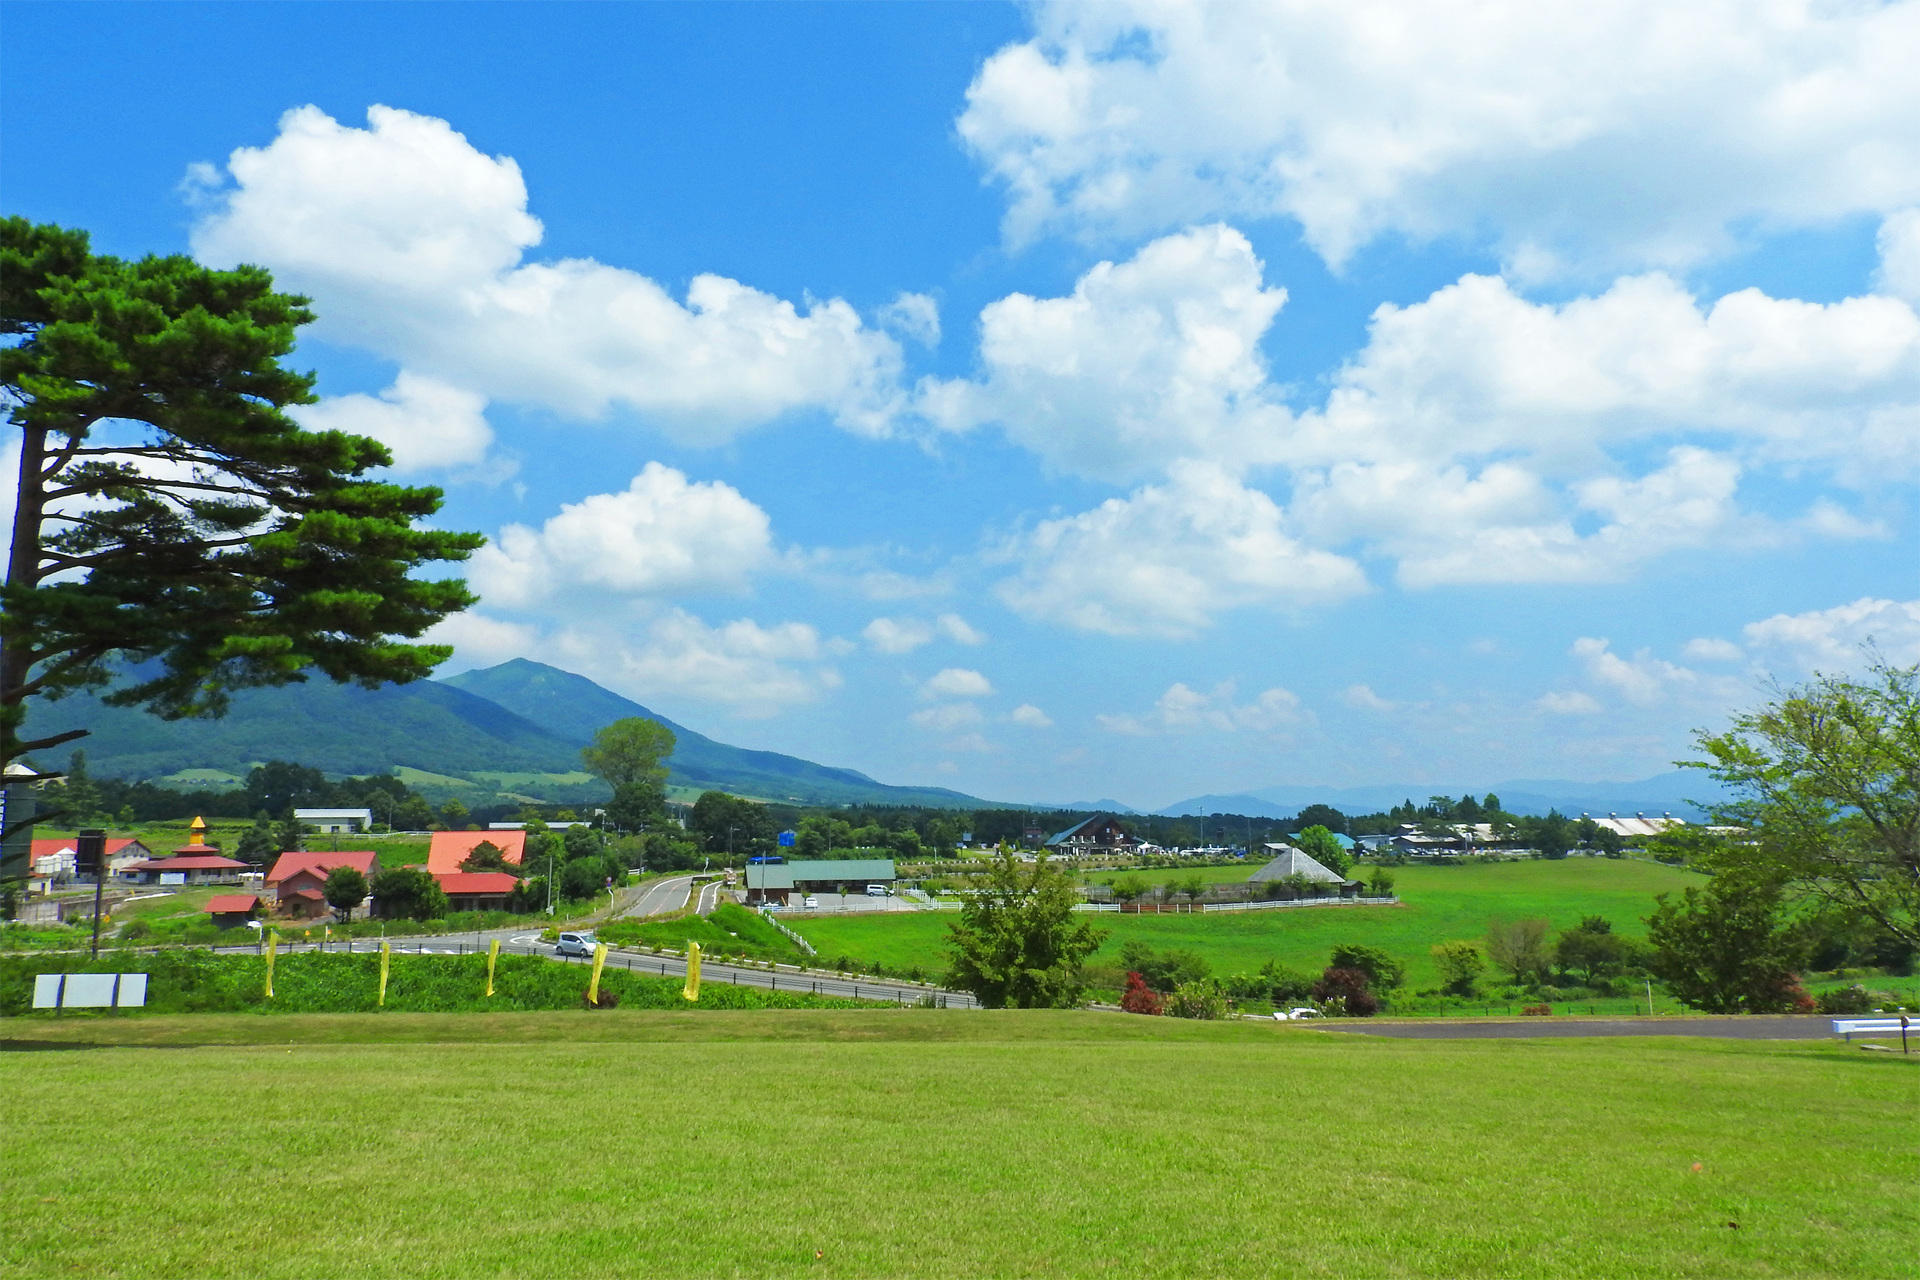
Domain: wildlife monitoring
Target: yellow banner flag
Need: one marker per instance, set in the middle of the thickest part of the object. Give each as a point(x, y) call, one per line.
point(493, 958)
point(692, 990)
point(273, 947)
point(599, 963)
point(386, 955)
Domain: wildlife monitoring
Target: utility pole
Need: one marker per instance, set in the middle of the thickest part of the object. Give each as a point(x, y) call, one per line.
point(91, 851)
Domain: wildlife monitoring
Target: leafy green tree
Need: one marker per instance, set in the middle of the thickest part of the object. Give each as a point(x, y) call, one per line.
point(1593, 952)
point(345, 889)
point(215, 545)
point(1164, 970)
point(1318, 843)
point(1018, 941)
point(637, 805)
point(1519, 947)
point(413, 814)
point(79, 798)
point(278, 787)
point(488, 856)
point(1827, 784)
point(1382, 970)
point(1130, 888)
point(1194, 886)
point(1380, 883)
point(1728, 947)
point(582, 878)
point(1321, 815)
point(1285, 985)
point(633, 750)
point(258, 843)
point(454, 816)
point(1460, 964)
point(290, 834)
point(752, 826)
point(409, 893)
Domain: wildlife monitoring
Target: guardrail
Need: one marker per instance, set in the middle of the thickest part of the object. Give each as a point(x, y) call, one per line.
point(1851, 1027)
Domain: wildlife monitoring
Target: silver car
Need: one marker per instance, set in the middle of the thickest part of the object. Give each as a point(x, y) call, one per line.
point(575, 944)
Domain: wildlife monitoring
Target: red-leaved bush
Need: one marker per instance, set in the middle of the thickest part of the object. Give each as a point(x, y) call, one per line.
point(1140, 998)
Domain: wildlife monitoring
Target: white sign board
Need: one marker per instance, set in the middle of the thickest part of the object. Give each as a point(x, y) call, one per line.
point(89, 991)
point(173, 877)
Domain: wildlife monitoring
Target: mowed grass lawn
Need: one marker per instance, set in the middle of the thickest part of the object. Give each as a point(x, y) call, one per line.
point(940, 1143)
point(1439, 904)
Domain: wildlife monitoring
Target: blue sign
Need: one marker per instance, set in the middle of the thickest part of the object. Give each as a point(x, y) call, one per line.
point(786, 839)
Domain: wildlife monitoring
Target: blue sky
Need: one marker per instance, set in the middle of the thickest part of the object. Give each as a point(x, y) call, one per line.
point(1084, 400)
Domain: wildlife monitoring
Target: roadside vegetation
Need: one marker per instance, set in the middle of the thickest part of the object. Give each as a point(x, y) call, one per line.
point(337, 982)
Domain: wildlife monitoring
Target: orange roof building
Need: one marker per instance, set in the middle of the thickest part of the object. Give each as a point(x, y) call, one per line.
point(450, 848)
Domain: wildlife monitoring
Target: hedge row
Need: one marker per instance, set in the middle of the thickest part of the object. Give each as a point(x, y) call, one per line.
point(322, 982)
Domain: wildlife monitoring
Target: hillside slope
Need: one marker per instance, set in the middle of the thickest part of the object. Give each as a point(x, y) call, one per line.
point(573, 707)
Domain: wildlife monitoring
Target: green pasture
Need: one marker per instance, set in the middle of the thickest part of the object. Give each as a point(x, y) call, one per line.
point(1438, 904)
point(937, 1143)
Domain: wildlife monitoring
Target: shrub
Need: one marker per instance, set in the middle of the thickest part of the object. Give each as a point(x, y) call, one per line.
point(1200, 999)
point(1538, 1011)
point(1351, 988)
point(1382, 970)
point(1139, 998)
point(1845, 1000)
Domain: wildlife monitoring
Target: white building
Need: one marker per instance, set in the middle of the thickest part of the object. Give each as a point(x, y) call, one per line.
point(336, 821)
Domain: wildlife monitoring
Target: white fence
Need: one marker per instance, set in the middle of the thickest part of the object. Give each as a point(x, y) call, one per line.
point(798, 941)
point(1276, 904)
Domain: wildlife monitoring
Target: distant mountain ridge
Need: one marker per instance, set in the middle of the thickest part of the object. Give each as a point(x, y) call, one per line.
point(517, 719)
point(1681, 792)
point(574, 708)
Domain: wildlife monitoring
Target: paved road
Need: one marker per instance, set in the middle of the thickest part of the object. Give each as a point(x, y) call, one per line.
point(1785, 1027)
point(661, 897)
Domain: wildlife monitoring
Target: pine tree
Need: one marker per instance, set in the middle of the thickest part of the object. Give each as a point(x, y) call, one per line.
point(217, 546)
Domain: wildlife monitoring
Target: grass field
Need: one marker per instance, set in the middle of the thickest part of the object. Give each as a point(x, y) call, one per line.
point(1439, 904)
point(939, 1143)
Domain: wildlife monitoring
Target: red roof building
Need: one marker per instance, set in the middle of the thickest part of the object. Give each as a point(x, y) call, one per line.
point(450, 848)
point(230, 909)
point(478, 890)
point(63, 853)
point(298, 878)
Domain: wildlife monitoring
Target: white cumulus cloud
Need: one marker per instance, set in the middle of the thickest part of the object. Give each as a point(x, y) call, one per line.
point(1833, 639)
point(904, 635)
point(1572, 135)
point(1148, 361)
point(412, 244)
point(1030, 716)
point(424, 422)
point(661, 535)
point(1183, 709)
point(1166, 558)
point(958, 682)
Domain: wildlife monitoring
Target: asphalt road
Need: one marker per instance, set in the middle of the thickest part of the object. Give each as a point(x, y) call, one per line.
point(661, 897)
point(1749, 1027)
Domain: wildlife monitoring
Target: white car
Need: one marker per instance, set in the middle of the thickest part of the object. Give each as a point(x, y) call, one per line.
point(876, 891)
point(1295, 1015)
point(812, 903)
point(575, 944)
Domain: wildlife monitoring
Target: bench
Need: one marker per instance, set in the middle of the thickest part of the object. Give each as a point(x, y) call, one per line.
point(1851, 1027)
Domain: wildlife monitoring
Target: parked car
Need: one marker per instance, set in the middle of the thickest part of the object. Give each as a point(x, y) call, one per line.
point(876, 891)
point(1295, 1015)
point(812, 903)
point(575, 944)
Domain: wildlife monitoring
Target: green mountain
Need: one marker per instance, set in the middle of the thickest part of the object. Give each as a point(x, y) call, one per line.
point(503, 728)
point(573, 707)
point(341, 729)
